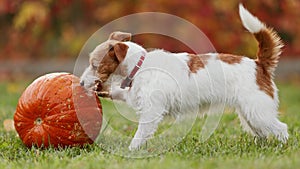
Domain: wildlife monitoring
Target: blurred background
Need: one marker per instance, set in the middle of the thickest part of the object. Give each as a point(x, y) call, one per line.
point(47, 35)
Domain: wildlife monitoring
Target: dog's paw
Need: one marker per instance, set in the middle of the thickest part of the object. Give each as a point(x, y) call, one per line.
point(135, 144)
point(283, 137)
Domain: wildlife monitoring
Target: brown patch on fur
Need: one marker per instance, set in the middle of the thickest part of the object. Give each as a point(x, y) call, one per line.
point(111, 61)
point(230, 59)
point(120, 36)
point(269, 49)
point(120, 50)
point(264, 79)
point(197, 62)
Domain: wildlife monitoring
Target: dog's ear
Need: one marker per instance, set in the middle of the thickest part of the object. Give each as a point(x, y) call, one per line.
point(120, 36)
point(120, 50)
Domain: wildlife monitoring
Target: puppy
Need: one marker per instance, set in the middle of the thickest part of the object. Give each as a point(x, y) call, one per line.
point(156, 83)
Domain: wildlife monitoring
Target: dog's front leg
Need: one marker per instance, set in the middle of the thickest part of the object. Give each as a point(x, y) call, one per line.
point(147, 126)
point(117, 93)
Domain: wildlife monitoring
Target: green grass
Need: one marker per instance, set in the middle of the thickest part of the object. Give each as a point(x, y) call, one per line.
point(228, 147)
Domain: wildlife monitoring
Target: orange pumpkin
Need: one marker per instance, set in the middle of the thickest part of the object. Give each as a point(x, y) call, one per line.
point(55, 110)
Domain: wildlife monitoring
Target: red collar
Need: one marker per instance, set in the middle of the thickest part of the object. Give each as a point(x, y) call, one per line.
point(127, 82)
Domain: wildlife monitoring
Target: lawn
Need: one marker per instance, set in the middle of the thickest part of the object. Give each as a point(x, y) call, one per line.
point(228, 147)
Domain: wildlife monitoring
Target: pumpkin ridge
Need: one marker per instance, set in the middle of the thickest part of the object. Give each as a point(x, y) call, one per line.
point(57, 138)
point(72, 136)
point(25, 109)
point(34, 129)
point(60, 128)
point(33, 98)
point(51, 112)
point(46, 89)
point(22, 116)
point(54, 117)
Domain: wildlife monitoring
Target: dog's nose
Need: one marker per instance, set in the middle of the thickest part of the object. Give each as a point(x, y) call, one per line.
point(81, 83)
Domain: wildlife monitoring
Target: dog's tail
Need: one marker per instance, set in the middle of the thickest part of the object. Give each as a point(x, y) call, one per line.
point(269, 42)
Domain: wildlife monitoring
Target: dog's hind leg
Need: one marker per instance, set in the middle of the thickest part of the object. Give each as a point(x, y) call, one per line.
point(244, 123)
point(261, 118)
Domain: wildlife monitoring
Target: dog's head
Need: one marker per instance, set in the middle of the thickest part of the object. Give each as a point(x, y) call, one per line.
point(104, 60)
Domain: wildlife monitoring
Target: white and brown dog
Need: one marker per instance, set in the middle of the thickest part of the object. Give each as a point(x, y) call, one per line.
point(158, 82)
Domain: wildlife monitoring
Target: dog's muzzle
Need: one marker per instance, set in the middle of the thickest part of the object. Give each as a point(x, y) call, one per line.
point(98, 85)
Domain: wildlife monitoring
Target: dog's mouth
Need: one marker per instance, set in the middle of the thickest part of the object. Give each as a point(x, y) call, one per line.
point(98, 86)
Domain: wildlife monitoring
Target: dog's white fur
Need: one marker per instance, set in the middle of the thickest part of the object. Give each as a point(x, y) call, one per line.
point(165, 84)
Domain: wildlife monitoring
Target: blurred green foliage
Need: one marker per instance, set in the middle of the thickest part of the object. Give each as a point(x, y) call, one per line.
point(59, 28)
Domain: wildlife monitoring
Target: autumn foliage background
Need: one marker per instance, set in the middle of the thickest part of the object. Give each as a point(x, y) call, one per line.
point(33, 30)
